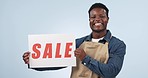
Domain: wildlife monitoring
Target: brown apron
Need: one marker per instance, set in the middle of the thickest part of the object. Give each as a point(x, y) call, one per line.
point(98, 51)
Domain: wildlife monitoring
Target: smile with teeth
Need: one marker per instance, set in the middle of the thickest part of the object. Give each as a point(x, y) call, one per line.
point(98, 24)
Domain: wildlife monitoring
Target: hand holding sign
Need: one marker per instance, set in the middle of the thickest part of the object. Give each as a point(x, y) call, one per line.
point(26, 57)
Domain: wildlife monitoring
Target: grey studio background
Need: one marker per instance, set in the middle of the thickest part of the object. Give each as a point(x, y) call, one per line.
point(19, 18)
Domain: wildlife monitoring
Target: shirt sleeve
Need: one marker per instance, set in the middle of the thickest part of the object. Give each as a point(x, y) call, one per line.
point(113, 66)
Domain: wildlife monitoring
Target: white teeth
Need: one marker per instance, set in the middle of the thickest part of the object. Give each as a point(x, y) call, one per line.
point(98, 24)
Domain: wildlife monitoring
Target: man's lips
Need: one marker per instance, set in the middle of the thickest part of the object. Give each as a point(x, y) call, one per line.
point(98, 24)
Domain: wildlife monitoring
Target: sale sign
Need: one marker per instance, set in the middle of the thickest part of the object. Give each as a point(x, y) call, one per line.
point(51, 50)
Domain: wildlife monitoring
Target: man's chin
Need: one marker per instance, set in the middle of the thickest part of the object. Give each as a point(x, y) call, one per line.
point(98, 31)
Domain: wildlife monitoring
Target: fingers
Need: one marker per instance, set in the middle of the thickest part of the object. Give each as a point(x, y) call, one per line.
point(77, 52)
point(26, 57)
point(26, 54)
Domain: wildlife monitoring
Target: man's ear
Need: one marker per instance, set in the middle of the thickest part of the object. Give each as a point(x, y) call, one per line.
point(89, 19)
point(108, 18)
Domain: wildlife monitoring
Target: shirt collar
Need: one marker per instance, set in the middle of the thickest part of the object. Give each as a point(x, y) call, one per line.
point(107, 37)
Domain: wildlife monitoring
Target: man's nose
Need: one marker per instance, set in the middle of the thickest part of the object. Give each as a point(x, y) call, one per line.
point(98, 19)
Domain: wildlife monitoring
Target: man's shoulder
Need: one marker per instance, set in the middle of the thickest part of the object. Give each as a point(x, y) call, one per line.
point(114, 40)
point(117, 45)
point(80, 40)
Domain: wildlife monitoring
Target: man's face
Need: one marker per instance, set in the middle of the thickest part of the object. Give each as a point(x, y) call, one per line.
point(98, 19)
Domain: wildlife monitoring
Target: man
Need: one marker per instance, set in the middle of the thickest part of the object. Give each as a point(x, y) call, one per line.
point(99, 55)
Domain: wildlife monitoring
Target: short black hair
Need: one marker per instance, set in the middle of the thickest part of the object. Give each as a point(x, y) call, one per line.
point(99, 5)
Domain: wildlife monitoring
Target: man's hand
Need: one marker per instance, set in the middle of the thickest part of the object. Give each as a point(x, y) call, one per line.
point(80, 53)
point(26, 57)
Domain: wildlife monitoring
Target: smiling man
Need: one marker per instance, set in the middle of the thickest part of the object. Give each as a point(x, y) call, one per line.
point(99, 55)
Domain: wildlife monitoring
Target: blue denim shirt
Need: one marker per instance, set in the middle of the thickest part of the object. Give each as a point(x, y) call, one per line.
point(117, 50)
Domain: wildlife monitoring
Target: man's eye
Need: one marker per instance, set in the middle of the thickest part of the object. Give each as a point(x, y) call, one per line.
point(102, 16)
point(92, 17)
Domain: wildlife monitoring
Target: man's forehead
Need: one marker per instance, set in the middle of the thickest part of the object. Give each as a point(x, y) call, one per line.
point(98, 9)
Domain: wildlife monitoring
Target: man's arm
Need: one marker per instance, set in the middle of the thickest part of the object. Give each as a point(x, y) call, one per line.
point(113, 66)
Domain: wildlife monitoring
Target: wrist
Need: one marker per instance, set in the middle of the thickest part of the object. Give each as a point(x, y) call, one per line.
point(82, 57)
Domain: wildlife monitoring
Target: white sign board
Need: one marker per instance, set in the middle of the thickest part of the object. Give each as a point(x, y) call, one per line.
point(51, 50)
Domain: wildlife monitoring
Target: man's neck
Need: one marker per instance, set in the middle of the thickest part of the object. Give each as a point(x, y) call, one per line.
point(97, 35)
